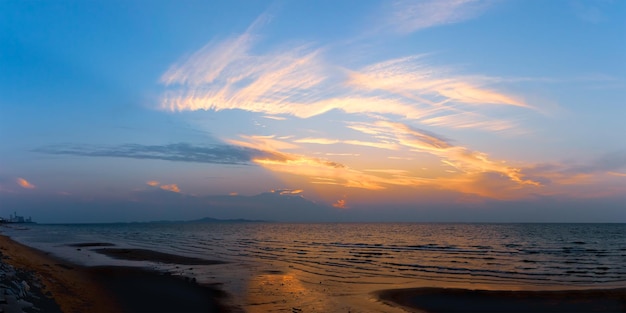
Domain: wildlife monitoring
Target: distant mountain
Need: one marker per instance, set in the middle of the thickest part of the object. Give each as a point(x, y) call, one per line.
point(156, 205)
point(205, 220)
point(217, 220)
point(273, 206)
point(268, 205)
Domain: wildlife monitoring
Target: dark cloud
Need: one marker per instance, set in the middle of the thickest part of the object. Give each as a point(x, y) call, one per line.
point(181, 152)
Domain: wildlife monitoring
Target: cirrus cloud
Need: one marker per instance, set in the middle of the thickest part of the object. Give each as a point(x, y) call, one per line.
point(303, 82)
point(410, 16)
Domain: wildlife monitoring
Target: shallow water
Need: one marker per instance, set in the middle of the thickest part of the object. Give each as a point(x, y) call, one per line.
point(309, 262)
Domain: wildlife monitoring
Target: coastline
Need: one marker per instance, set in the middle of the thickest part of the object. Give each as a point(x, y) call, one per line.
point(106, 289)
point(70, 285)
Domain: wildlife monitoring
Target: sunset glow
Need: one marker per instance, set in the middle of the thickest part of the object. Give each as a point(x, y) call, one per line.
point(393, 108)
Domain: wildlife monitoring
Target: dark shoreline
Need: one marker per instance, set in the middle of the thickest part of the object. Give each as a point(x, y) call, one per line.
point(452, 300)
point(78, 288)
point(153, 256)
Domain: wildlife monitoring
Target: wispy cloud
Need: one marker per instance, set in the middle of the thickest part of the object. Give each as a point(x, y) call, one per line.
point(327, 172)
point(461, 158)
point(392, 104)
point(329, 141)
point(281, 82)
point(263, 143)
point(469, 120)
point(319, 141)
point(413, 78)
point(273, 117)
point(183, 152)
point(152, 183)
point(287, 191)
point(388, 171)
point(24, 183)
point(410, 16)
point(342, 154)
point(208, 64)
point(299, 81)
point(170, 187)
point(569, 173)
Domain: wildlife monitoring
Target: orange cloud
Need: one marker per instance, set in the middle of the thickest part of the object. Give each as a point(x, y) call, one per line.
point(171, 187)
point(341, 204)
point(152, 183)
point(287, 191)
point(328, 141)
point(24, 183)
point(319, 141)
point(470, 172)
point(460, 158)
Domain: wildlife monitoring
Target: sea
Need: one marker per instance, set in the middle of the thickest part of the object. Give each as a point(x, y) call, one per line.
point(348, 261)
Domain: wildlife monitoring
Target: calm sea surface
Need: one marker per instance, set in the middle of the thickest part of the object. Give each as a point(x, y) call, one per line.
point(568, 254)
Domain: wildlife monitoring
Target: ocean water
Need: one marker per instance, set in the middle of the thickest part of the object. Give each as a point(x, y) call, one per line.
point(375, 255)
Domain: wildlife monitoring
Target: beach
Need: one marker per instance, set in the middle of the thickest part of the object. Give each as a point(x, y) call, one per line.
point(108, 289)
point(270, 274)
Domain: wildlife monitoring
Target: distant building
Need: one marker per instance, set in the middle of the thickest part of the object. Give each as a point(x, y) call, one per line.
point(14, 218)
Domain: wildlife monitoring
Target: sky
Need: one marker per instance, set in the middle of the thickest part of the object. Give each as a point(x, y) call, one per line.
point(447, 110)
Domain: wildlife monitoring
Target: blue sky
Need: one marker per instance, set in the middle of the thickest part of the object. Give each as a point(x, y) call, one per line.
point(394, 110)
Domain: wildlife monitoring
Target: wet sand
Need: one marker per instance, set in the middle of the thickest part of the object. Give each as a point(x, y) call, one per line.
point(110, 288)
point(153, 256)
point(91, 244)
point(462, 300)
point(137, 290)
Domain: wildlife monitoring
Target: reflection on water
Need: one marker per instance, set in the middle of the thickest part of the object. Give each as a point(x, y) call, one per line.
point(327, 266)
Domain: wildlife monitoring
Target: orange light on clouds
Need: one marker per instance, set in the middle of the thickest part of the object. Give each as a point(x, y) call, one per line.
point(340, 204)
point(385, 119)
point(171, 187)
point(287, 191)
point(24, 183)
point(152, 183)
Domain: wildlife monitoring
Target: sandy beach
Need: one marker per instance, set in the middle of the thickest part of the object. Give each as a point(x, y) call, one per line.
point(111, 289)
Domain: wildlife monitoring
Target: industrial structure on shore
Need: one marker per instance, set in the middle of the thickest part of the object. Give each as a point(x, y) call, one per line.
point(14, 218)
